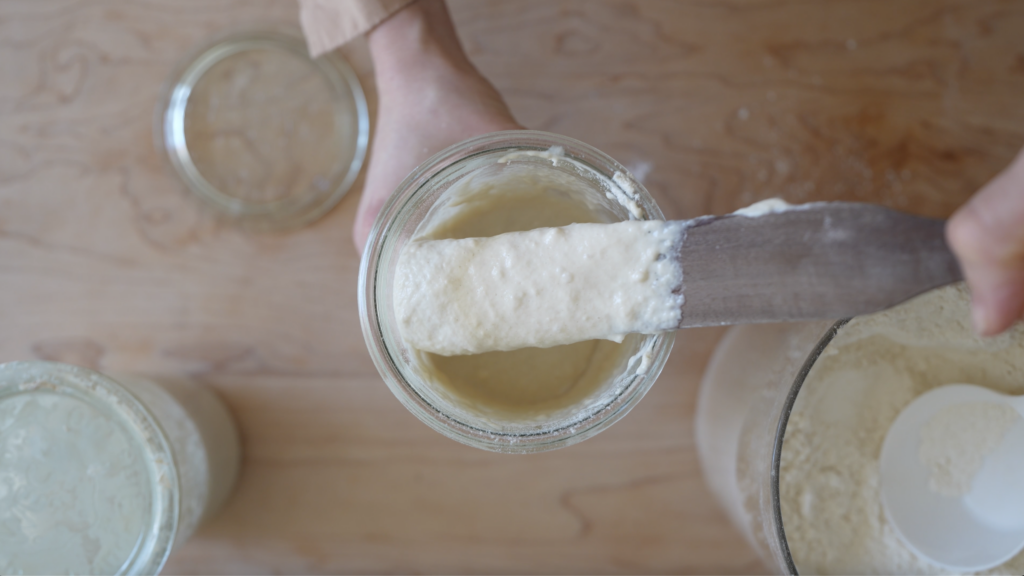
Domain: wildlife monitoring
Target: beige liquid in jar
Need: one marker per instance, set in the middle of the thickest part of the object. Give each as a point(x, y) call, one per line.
point(531, 382)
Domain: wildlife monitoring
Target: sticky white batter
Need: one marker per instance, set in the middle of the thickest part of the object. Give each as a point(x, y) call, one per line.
point(769, 206)
point(540, 288)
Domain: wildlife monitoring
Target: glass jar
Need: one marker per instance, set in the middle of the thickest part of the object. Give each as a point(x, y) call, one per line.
point(601, 185)
point(264, 136)
point(107, 476)
point(745, 398)
point(791, 419)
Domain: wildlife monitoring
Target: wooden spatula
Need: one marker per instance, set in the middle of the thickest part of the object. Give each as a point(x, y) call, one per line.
point(819, 261)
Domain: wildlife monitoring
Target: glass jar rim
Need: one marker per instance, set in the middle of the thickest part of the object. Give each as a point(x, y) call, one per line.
point(780, 433)
point(283, 214)
point(401, 203)
point(106, 394)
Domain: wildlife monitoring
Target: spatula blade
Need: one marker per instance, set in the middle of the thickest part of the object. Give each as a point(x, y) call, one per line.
point(827, 260)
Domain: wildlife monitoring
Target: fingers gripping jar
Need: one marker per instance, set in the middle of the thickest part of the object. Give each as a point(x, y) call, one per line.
point(526, 400)
point(106, 476)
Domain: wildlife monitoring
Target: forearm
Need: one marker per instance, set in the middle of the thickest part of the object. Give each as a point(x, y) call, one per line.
point(419, 63)
point(418, 42)
point(429, 95)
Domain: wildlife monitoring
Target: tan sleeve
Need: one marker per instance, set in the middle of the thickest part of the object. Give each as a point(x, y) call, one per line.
point(328, 24)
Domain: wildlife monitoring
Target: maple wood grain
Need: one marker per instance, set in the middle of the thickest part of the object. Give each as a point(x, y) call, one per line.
point(106, 261)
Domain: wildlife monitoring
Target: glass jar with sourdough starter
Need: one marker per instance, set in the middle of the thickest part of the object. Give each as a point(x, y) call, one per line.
point(105, 476)
point(524, 400)
point(791, 420)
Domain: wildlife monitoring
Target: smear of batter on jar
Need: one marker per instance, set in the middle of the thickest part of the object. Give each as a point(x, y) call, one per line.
point(956, 441)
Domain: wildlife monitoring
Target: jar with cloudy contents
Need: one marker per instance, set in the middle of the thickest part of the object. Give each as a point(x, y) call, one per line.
point(526, 400)
point(106, 475)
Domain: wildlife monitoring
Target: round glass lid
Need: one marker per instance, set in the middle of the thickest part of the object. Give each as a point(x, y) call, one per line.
point(263, 134)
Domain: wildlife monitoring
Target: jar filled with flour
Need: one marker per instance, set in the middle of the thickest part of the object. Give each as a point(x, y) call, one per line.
point(792, 418)
point(106, 476)
point(520, 400)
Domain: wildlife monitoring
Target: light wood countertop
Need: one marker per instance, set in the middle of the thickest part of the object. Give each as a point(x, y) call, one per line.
point(107, 261)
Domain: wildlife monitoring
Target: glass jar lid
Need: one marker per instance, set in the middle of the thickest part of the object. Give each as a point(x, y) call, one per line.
point(264, 135)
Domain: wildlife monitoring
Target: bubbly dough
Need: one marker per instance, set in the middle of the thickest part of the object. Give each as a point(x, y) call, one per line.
point(540, 288)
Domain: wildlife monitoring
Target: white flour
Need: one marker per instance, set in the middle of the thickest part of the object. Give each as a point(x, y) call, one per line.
point(956, 441)
point(828, 480)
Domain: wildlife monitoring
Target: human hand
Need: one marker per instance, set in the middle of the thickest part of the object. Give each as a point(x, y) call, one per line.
point(987, 236)
point(430, 97)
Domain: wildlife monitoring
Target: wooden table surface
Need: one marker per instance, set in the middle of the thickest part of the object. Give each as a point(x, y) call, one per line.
point(106, 261)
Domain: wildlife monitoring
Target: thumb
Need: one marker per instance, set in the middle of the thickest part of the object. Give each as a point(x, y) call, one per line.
point(987, 236)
